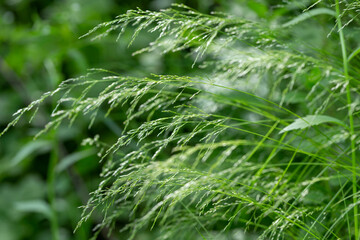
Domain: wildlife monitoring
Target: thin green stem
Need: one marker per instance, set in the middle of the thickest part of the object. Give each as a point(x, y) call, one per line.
point(351, 120)
point(51, 188)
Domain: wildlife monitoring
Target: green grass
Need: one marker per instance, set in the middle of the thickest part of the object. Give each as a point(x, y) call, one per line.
point(261, 142)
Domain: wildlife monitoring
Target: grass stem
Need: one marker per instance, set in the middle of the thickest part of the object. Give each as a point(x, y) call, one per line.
point(351, 120)
point(51, 188)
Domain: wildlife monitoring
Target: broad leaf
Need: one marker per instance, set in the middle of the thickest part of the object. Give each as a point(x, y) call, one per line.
point(30, 148)
point(34, 206)
point(73, 158)
point(311, 120)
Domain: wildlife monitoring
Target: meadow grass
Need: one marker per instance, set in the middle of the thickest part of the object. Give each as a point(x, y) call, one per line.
point(260, 143)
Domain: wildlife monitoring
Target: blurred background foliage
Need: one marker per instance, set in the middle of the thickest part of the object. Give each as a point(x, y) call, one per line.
point(39, 48)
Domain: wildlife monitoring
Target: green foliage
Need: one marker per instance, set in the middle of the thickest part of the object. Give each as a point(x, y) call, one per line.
point(259, 142)
point(311, 120)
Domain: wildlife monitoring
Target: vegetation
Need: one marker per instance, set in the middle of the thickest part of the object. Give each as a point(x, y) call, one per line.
point(258, 139)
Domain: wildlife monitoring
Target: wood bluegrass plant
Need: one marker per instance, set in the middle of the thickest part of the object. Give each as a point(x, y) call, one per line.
point(262, 142)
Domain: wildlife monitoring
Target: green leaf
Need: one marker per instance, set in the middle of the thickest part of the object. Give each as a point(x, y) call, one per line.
point(311, 120)
point(73, 158)
point(309, 14)
point(353, 54)
point(34, 206)
point(30, 148)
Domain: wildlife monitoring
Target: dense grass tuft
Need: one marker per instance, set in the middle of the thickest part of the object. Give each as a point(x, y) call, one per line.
point(261, 143)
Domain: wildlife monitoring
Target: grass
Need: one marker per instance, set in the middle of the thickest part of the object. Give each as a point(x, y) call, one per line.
point(351, 120)
point(261, 142)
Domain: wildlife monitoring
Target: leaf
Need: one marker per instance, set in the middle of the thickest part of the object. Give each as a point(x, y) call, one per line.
point(73, 158)
point(30, 148)
point(34, 206)
point(353, 54)
point(309, 14)
point(311, 120)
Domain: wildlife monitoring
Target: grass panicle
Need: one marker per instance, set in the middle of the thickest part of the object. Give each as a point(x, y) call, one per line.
point(261, 141)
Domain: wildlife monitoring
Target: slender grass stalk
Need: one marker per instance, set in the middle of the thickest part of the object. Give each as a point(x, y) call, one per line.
point(51, 188)
point(351, 120)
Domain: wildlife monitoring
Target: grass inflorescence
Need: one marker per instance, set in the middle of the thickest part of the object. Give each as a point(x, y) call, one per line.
point(262, 140)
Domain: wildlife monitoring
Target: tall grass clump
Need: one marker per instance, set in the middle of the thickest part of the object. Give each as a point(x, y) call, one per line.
point(260, 143)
